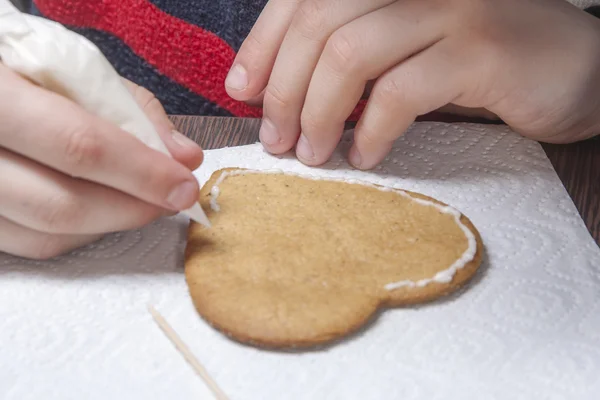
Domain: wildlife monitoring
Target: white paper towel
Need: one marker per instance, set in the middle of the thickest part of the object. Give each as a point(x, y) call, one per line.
point(528, 328)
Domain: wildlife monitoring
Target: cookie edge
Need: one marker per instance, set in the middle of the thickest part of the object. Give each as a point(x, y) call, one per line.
point(404, 296)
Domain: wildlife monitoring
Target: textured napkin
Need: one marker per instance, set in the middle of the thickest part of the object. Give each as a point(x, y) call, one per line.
point(527, 328)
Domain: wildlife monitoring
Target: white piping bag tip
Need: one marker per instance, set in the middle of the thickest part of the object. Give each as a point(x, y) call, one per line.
point(196, 214)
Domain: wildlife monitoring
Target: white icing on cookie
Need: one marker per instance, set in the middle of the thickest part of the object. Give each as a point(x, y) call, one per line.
point(214, 193)
point(444, 276)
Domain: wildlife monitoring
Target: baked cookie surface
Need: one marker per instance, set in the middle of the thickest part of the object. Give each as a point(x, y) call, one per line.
point(292, 261)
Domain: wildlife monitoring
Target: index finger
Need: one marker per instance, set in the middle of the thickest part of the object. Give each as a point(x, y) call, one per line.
point(254, 61)
point(68, 139)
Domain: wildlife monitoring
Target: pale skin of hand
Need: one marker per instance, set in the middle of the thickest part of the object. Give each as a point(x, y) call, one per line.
point(67, 177)
point(534, 63)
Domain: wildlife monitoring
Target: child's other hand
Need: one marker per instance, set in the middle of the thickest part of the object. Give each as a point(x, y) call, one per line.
point(67, 177)
point(535, 64)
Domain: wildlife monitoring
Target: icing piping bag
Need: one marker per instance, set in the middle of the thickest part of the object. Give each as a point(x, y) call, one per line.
point(66, 63)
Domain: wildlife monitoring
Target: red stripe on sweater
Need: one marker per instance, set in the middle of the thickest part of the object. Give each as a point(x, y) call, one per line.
point(188, 54)
point(191, 56)
point(356, 114)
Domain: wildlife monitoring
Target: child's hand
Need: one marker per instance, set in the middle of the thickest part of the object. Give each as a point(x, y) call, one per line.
point(66, 176)
point(535, 64)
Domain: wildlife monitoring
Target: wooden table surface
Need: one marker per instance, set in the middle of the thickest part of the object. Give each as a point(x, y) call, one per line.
point(577, 165)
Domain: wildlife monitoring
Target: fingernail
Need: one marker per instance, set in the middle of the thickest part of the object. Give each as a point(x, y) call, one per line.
point(183, 140)
point(304, 150)
point(169, 213)
point(268, 134)
point(237, 79)
point(182, 195)
point(355, 158)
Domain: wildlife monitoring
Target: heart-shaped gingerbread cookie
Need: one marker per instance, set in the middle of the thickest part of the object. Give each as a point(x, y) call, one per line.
point(292, 261)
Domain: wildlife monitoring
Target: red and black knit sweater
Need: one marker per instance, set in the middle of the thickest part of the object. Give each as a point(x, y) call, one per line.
point(181, 50)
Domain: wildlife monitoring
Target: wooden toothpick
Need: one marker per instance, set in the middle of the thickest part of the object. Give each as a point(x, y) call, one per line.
point(186, 352)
